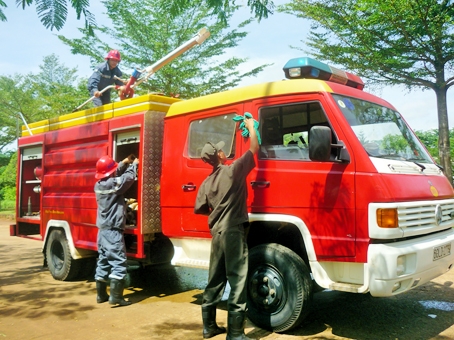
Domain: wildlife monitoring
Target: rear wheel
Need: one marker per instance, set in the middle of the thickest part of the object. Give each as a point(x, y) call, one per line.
point(279, 288)
point(61, 265)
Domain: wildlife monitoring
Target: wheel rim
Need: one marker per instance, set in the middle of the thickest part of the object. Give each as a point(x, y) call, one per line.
point(267, 290)
point(57, 255)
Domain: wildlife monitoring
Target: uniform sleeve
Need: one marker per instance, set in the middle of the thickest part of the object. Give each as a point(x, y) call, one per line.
point(93, 81)
point(201, 203)
point(118, 73)
point(124, 182)
point(244, 165)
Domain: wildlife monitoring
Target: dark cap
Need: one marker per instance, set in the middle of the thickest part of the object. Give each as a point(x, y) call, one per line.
point(210, 152)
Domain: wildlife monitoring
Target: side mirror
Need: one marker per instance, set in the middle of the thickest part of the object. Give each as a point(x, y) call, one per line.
point(320, 143)
point(320, 146)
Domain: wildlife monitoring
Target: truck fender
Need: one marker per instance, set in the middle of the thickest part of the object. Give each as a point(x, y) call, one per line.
point(299, 223)
point(63, 225)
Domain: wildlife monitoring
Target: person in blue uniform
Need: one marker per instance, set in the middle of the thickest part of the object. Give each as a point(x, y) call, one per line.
point(114, 179)
point(223, 197)
point(103, 76)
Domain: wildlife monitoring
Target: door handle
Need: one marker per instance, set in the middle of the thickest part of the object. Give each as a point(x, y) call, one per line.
point(189, 187)
point(260, 184)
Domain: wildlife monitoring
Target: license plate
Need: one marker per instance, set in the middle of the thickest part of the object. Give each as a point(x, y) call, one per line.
point(442, 251)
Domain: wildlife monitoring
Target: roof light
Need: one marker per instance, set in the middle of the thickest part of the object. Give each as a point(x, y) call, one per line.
point(309, 68)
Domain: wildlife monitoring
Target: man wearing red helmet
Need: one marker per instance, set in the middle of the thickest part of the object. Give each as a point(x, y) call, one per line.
point(114, 179)
point(103, 76)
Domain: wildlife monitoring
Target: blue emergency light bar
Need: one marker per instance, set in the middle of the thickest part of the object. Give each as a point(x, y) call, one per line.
point(305, 67)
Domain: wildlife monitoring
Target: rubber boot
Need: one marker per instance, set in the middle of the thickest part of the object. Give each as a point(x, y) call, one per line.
point(101, 291)
point(210, 327)
point(235, 326)
point(116, 293)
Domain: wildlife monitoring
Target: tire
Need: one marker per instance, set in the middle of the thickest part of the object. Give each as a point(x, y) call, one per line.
point(279, 288)
point(61, 265)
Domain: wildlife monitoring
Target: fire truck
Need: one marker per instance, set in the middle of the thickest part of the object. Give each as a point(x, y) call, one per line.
point(343, 196)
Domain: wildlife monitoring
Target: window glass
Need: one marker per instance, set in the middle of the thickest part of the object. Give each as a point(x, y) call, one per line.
point(285, 130)
point(212, 129)
point(382, 131)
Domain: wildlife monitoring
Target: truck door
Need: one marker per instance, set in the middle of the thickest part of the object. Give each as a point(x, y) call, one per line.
point(286, 181)
point(183, 182)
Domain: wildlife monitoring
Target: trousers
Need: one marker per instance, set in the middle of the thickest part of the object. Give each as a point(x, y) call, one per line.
point(111, 255)
point(228, 262)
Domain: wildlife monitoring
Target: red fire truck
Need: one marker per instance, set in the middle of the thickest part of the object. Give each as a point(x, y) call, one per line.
point(344, 195)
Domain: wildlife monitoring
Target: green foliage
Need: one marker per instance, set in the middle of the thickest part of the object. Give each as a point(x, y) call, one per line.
point(394, 144)
point(221, 8)
point(145, 32)
point(8, 176)
point(430, 140)
point(53, 13)
point(47, 94)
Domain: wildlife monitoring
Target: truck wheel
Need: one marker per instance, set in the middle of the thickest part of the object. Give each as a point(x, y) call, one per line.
point(279, 288)
point(61, 264)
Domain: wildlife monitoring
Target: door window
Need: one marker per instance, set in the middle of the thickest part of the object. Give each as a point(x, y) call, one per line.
point(212, 129)
point(285, 130)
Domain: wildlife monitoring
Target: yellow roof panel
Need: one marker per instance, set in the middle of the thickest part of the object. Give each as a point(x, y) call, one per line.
point(248, 93)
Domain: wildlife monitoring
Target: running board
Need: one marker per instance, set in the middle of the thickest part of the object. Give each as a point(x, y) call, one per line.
point(346, 287)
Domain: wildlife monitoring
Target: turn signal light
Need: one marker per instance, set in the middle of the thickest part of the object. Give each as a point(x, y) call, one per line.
point(387, 218)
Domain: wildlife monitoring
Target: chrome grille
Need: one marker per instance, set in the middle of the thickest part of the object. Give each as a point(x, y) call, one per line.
point(424, 215)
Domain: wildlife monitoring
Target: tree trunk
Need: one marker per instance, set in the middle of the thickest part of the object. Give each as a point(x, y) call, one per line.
point(444, 146)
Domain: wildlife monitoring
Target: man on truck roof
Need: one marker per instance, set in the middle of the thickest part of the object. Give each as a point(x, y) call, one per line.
point(222, 196)
point(103, 76)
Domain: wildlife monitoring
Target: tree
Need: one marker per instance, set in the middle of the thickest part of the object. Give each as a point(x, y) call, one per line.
point(409, 42)
point(8, 176)
point(47, 94)
point(53, 13)
point(144, 33)
point(430, 140)
point(260, 8)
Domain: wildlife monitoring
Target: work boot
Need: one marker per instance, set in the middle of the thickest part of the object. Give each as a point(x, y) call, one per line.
point(116, 293)
point(101, 291)
point(235, 326)
point(210, 327)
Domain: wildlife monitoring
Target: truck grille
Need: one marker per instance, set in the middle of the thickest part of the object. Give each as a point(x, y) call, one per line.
point(426, 215)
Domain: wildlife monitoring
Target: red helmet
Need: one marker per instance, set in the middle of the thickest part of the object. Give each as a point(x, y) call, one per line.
point(105, 166)
point(113, 54)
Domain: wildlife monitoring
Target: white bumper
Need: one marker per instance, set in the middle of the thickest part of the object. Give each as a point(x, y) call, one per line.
point(413, 259)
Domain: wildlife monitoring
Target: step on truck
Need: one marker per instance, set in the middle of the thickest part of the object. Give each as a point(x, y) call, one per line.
point(343, 196)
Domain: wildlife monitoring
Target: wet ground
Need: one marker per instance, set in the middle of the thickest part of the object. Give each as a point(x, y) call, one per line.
point(166, 305)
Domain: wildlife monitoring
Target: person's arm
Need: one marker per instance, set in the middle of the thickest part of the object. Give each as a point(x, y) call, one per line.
point(254, 146)
point(93, 82)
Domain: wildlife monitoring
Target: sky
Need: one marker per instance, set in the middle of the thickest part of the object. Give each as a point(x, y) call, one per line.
point(25, 42)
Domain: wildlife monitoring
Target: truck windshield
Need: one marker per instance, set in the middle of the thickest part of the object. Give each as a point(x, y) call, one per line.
point(382, 131)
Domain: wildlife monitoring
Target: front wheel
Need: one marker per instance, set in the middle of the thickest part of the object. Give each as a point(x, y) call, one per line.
point(61, 265)
point(279, 288)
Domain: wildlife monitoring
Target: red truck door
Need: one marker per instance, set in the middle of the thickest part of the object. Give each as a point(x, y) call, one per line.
point(182, 179)
point(286, 181)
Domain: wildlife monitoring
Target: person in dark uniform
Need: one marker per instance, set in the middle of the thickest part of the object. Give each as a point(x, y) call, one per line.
point(103, 76)
point(223, 197)
point(114, 179)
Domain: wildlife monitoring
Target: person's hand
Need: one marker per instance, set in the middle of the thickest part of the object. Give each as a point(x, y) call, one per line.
point(136, 161)
point(121, 89)
point(97, 94)
point(249, 123)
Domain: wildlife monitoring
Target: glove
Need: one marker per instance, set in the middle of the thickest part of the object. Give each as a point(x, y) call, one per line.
point(245, 132)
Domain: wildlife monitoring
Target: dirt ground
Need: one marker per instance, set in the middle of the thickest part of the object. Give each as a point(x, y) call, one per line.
point(166, 305)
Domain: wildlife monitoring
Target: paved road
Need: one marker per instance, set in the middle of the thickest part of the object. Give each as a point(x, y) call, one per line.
point(166, 305)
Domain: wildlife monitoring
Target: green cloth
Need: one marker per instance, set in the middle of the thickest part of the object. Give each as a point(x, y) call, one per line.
point(243, 127)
